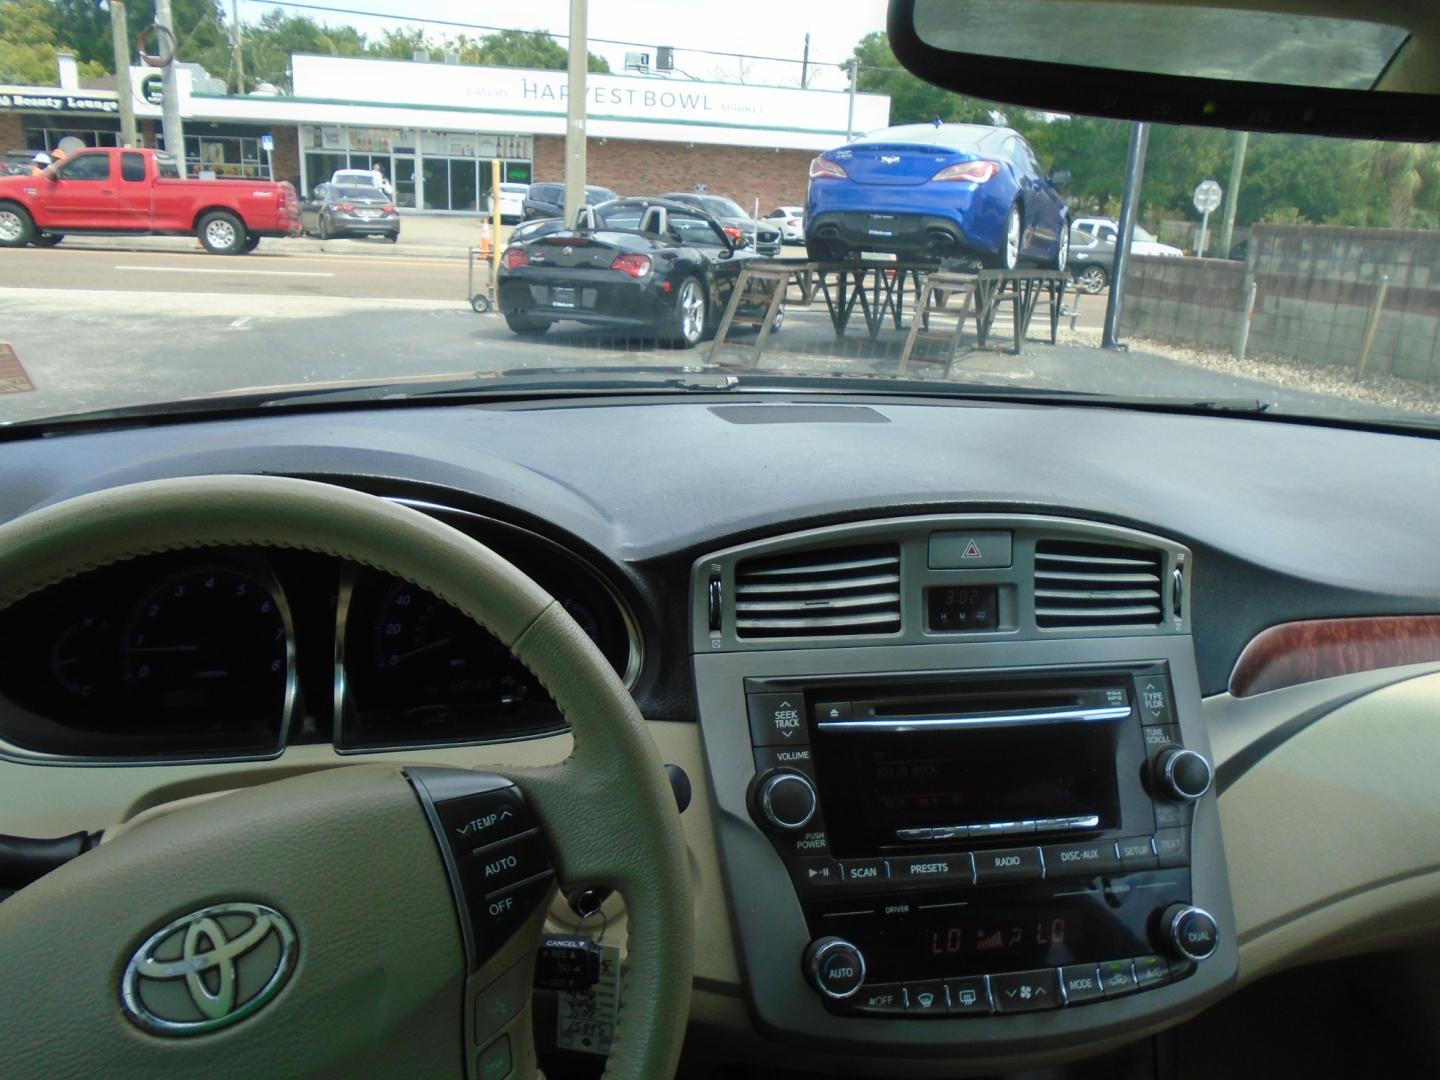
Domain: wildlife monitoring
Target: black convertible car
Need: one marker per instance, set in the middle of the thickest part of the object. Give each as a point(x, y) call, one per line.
point(652, 265)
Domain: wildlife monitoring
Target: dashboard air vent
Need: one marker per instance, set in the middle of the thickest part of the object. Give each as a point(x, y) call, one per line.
point(835, 592)
point(1080, 584)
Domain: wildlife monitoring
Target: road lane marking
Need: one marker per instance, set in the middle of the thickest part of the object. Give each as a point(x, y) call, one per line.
point(203, 270)
point(239, 324)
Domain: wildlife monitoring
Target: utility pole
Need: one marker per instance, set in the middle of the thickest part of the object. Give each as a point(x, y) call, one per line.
point(173, 130)
point(854, 67)
point(1129, 208)
point(239, 49)
point(575, 113)
point(1237, 166)
point(124, 89)
point(805, 66)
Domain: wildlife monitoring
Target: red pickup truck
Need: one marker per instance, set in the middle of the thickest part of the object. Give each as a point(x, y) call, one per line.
point(120, 191)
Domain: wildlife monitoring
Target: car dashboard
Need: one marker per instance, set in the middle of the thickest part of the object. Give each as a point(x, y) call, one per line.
point(1016, 731)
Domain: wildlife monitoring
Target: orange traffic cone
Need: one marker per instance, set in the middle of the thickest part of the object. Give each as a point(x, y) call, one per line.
point(486, 239)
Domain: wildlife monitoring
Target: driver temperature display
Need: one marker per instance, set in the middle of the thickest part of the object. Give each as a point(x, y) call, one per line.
point(1023, 934)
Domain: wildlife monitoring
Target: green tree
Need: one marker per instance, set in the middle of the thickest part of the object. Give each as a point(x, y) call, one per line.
point(29, 43)
point(912, 100)
point(270, 43)
point(84, 25)
point(504, 48)
point(1409, 176)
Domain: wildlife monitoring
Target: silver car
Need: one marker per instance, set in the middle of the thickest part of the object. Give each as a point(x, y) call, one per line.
point(763, 236)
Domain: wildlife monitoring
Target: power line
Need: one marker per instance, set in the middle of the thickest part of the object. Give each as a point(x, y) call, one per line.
point(503, 29)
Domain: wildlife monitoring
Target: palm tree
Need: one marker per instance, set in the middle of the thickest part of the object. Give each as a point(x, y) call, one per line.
point(1408, 173)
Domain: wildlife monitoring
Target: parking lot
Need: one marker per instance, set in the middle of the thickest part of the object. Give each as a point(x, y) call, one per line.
point(342, 313)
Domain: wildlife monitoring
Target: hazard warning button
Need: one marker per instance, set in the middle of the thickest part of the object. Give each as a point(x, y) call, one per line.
point(969, 550)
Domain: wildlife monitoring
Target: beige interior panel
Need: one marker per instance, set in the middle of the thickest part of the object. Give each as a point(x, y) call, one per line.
point(1333, 838)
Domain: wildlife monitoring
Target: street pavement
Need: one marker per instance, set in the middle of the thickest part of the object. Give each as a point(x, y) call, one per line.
point(98, 325)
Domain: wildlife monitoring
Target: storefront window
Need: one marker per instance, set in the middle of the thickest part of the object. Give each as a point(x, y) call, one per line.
point(462, 185)
point(436, 184)
point(40, 135)
point(320, 167)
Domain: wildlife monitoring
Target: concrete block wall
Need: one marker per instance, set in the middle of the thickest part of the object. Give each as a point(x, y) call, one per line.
point(1315, 289)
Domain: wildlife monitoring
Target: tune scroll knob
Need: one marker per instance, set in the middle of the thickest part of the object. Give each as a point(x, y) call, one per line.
point(1191, 933)
point(787, 800)
point(835, 967)
point(1183, 775)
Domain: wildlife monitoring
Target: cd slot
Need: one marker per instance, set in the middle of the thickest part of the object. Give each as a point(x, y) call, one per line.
point(987, 709)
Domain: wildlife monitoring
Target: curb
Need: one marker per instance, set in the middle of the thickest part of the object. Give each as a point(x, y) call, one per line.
point(281, 246)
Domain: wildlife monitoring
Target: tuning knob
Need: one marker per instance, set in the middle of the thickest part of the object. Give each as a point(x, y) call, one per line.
point(1183, 775)
point(1191, 933)
point(835, 967)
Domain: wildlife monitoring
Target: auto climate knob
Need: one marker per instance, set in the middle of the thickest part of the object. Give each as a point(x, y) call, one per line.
point(1183, 775)
point(1191, 933)
point(786, 800)
point(835, 967)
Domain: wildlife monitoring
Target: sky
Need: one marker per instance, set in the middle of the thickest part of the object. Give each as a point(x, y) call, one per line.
point(755, 27)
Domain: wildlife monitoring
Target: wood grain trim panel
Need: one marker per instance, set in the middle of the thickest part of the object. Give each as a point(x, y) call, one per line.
point(1301, 652)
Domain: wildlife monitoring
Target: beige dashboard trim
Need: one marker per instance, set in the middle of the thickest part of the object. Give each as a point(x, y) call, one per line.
point(1333, 837)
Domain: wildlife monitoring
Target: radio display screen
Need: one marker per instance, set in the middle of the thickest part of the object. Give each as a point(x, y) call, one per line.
point(896, 783)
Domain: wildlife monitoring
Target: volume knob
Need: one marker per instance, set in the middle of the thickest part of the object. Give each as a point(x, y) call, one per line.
point(787, 800)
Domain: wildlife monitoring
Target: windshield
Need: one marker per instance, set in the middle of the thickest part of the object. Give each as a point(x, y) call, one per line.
point(1286, 274)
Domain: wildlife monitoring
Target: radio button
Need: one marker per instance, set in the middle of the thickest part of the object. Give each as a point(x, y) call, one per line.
point(925, 997)
point(833, 711)
point(880, 999)
point(776, 719)
point(815, 875)
point(933, 869)
point(1081, 983)
point(1008, 864)
point(1080, 860)
point(1025, 991)
point(912, 835)
point(1137, 853)
point(1159, 737)
point(784, 757)
point(989, 830)
point(811, 840)
point(863, 872)
point(969, 997)
point(1172, 847)
point(1118, 978)
point(1151, 971)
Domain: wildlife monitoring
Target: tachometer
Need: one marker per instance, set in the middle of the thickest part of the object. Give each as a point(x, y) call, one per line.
point(209, 647)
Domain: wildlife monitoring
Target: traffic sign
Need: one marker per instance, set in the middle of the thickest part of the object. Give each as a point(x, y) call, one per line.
point(1207, 196)
point(267, 142)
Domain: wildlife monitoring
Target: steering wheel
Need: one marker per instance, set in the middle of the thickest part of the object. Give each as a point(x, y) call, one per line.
point(338, 923)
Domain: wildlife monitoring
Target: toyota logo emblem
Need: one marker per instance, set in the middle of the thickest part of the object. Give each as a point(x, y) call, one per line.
point(208, 969)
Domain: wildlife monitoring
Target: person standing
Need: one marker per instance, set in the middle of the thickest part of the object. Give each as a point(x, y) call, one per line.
point(378, 169)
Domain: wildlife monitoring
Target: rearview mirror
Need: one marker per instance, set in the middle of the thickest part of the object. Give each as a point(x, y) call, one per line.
point(1314, 68)
point(1060, 177)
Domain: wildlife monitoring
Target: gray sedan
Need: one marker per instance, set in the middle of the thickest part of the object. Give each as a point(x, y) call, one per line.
point(1092, 260)
point(336, 210)
point(763, 236)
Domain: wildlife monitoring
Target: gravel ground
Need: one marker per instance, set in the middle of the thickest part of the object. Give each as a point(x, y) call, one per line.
point(1387, 391)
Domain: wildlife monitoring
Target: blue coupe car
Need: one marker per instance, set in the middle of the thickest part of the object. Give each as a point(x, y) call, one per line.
point(941, 192)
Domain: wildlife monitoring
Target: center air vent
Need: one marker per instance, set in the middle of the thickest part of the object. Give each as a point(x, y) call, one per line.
point(1079, 584)
point(831, 593)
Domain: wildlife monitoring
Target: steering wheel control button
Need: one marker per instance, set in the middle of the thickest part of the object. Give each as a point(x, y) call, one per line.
point(777, 719)
point(497, 915)
point(1026, 991)
point(788, 800)
point(1184, 775)
point(926, 998)
point(1152, 693)
point(1081, 983)
point(1137, 853)
point(969, 997)
point(1151, 971)
point(476, 821)
point(495, 1060)
point(1191, 931)
point(502, 864)
point(1080, 860)
point(1008, 864)
point(1117, 978)
point(835, 967)
point(501, 1001)
point(880, 999)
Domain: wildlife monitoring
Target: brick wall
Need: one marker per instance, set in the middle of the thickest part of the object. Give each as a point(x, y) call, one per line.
point(12, 132)
point(633, 167)
point(1315, 287)
point(286, 155)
